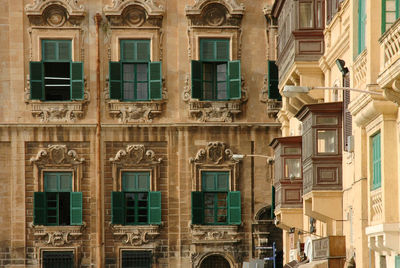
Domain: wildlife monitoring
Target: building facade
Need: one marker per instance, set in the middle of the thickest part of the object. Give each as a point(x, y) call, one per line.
point(118, 128)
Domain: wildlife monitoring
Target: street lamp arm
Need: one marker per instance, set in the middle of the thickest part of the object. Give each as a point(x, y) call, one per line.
point(239, 157)
point(292, 91)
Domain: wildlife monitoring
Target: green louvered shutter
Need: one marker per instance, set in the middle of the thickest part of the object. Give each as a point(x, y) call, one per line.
point(234, 206)
point(155, 80)
point(65, 182)
point(154, 207)
point(222, 50)
point(39, 208)
point(196, 79)
point(76, 208)
point(36, 80)
point(273, 81)
point(49, 50)
point(397, 261)
point(273, 202)
point(197, 207)
point(235, 81)
point(115, 80)
point(142, 50)
point(117, 208)
point(362, 19)
point(77, 83)
point(376, 161)
point(64, 50)
point(128, 50)
point(222, 181)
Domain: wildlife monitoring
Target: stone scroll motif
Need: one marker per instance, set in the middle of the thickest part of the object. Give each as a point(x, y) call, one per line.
point(55, 13)
point(273, 106)
point(215, 234)
point(57, 155)
point(215, 152)
point(135, 154)
point(136, 235)
point(57, 236)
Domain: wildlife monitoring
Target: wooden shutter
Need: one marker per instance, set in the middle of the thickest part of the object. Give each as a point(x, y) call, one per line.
point(39, 208)
point(222, 181)
point(36, 80)
point(143, 181)
point(77, 83)
point(76, 208)
point(197, 83)
point(347, 119)
point(207, 49)
point(362, 18)
point(115, 80)
point(273, 202)
point(234, 208)
point(197, 207)
point(155, 80)
point(117, 208)
point(273, 81)
point(376, 161)
point(128, 50)
point(49, 50)
point(154, 207)
point(64, 50)
point(397, 261)
point(65, 182)
point(222, 50)
point(142, 51)
point(235, 80)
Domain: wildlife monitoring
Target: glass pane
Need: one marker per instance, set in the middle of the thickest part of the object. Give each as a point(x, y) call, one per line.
point(327, 141)
point(305, 18)
point(221, 72)
point(51, 212)
point(128, 70)
point(327, 120)
point(319, 14)
point(292, 150)
point(208, 200)
point(208, 91)
point(292, 168)
point(209, 219)
point(142, 92)
point(141, 71)
point(128, 91)
point(222, 93)
point(208, 73)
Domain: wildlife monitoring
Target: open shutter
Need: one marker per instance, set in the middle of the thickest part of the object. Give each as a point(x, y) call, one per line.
point(76, 208)
point(39, 208)
point(235, 81)
point(77, 80)
point(155, 80)
point(273, 81)
point(273, 202)
point(347, 119)
point(115, 80)
point(197, 207)
point(196, 79)
point(154, 207)
point(36, 80)
point(234, 205)
point(117, 208)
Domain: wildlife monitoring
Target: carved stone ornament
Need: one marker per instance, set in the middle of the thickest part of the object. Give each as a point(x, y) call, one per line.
point(134, 13)
point(216, 152)
point(57, 236)
point(227, 234)
point(215, 13)
point(273, 106)
point(213, 111)
point(135, 154)
point(56, 155)
point(136, 235)
point(393, 93)
point(55, 13)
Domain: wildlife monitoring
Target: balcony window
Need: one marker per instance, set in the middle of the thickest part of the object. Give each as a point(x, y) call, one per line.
point(135, 77)
point(293, 167)
point(56, 77)
point(376, 161)
point(214, 76)
point(305, 15)
point(390, 13)
point(327, 141)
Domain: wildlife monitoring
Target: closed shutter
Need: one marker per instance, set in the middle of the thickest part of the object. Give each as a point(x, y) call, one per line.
point(214, 50)
point(142, 50)
point(197, 84)
point(273, 202)
point(154, 207)
point(76, 208)
point(65, 182)
point(235, 81)
point(397, 261)
point(39, 208)
point(273, 81)
point(36, 80)
point(115, 80)
point(362, 18)
point(117, 208)
point(155, 80)
point(376, 161)
point(197, 207)
point(234, 207)
point(49, 50)
point(222, 50)
point(64, 50)
point(347, 119)
point(222, 181)
point(77, 83)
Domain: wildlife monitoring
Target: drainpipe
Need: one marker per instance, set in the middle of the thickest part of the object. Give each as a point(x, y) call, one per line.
point(99, 199)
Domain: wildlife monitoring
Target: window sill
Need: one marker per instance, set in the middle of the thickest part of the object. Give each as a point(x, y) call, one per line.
point(57, 235)
point(215, 234)
point(136, 235)
point(135, 111)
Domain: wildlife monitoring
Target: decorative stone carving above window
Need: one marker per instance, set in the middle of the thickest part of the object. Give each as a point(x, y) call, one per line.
point(57, 236)
point(273, 105)
point(142, 236)
point(57, 157)
point(205, 234)
point(134, 13)
point(215, 156)
point(55, 13)
point(135, 157)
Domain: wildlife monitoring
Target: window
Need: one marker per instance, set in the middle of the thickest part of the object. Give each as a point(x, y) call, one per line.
point(273, 81)
point(64, 259)
point(58, 204)
point(306, 15)
point(397, 261)
point(327, 141)
point(332, 9)
point(136, 204)
point(292, 167)
point(136, 259)
point(362, 19)
point(214, 77)
point(390, 13)
point(376, 161)
point(56, 77)
point(135, 77)
point(215, 204)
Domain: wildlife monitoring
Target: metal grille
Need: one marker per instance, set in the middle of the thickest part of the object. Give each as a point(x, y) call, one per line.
point(215, 261)
point(59, 259)
point(136, 259)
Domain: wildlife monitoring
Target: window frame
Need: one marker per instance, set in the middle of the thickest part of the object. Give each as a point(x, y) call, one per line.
point(336, 144)
point(376, 182)
point(384, 12)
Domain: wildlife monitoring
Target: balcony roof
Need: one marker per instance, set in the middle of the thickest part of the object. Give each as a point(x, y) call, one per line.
point(285, 140)
point(326, 107)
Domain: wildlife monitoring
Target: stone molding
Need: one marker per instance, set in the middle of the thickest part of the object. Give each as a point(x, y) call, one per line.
point(206, 234)
point(137, 236)
point(57, 157)
point(135, 157)
point(229, 252)
point(57, 236)
point(213, 111)
point(55, 13)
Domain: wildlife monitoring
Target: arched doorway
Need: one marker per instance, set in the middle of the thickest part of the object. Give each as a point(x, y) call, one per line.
point(215, 261)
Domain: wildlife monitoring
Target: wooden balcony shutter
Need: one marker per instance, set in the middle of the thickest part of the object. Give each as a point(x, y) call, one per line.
point(39, 208)
point(36, 80)
point(155, 80)
point(197, 207)
point(117, 208)
point(234, 207)
point(235, 80)
point(76, 208)
point(197, 85)
point(77, 83)
point(154, 207)
point(347, 119)
point(115, 80)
